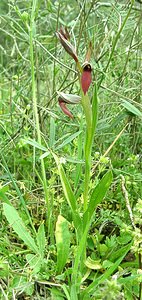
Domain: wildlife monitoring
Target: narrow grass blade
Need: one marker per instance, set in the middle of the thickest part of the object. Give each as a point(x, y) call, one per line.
point(19, 227)
point(62, 236)
point(131, 108)
point(35, 144)
point(65, 289)
point(52, 132)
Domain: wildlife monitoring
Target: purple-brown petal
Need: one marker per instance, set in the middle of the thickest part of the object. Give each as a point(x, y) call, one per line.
point(64, 108)
point(67, 45)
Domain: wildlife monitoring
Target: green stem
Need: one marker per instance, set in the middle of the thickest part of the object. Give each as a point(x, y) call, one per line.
point(88, 146)
point(35, 109)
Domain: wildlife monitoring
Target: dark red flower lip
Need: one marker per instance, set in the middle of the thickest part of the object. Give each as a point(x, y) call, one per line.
point(86, 77)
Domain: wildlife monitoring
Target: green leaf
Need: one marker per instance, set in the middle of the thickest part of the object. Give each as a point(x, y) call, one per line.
point(131, 108)
point(98, 195)
point(64, 143)
point(35, 262)
point(107, 273)
point(19, 227)
point(35, 144)
point(66, 185)
point(62, 236)
point(68, 140)
point(41, 239)
point(68, 193)
point(93, 264)
point(52, 132)
point(3, 196)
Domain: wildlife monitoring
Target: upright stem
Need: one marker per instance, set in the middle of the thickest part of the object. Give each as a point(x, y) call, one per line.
point(88, 146)
point(35, 110)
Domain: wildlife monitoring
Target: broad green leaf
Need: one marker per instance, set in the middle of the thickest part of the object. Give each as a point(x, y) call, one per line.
point(131, 108)
point(80, 250)
point(19, 227)
point(131, 278)
point(98, 195)
point(4, 268)
point(41, 239)
point(62, 236)
point(74, 295)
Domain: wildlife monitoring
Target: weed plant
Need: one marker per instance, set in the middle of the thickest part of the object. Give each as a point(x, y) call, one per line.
point(70, 177)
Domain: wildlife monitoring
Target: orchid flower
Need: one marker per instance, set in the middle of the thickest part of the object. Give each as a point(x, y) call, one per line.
point(69, 99)
point(84, 72)
point(86, 77)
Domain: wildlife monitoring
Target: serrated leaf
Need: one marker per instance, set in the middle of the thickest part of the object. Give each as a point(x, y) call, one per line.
point(19, 227)
point(62, 236)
